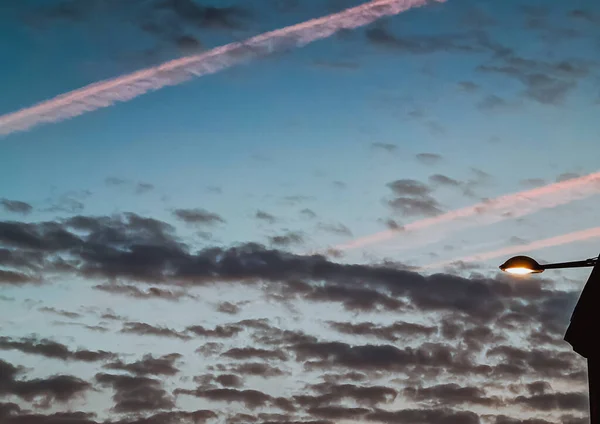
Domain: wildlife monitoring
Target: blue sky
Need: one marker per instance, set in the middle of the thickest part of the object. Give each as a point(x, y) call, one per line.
point(303, 151)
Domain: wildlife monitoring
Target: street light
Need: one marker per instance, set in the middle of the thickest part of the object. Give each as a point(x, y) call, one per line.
point(523, 265)
point(582, 332)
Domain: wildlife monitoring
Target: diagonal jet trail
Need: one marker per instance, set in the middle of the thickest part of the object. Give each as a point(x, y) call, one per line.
point(124, 88)
point(499, 209)
point(513, 250)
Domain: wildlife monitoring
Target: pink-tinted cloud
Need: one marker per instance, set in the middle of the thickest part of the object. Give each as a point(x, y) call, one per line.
point(126, 87)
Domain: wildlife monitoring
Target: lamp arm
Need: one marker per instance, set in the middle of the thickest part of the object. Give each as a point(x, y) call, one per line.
point(575, 264)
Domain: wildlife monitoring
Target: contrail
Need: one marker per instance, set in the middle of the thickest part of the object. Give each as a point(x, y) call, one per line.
point(513, 250)
point(504, 207)
point(124, 88)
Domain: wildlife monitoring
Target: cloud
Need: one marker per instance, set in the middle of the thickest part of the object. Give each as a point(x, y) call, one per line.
point(417, 416)
point(198, 217)
point(264, 216)
point(429, 158)
point(577, 401)
point(452, 395)
point(463, 328)
point(257, 369)
point(544, 82)
point(337, 229)
point(205, 16)
point(220, 331)
point(16, 206)
point(423, 44)
point(288, 239)
point(60, 312)
point(308, 213)
point(492, 102)
point(228, 308)
point(139, 293)
point(144, 329)
point(61, 388)
point(408, 187)
point(252, 353)
point(136, 393)
point(52, 349)
point(387, 147)
point(127, 87)
point(393, 332)
point(251, 399)
point(411, 206)
point(229, 380)
point(164, 365)
point(468, 86)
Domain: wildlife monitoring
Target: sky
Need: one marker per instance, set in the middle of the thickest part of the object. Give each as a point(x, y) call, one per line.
point(277, 211)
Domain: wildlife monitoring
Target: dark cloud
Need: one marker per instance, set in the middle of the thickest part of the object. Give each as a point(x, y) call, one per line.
point(228, 308)
point(142, 188)
point(164, 365)
point(198, 216)
point(337, 229)
point(144, 250)
point(220, 331)
point(408, 187)
point(187, 43)
point(136, 393)
point(393, 332)
point(548, 363)
point(257, 369)
point(288, 239)
point(16, 206)
point(335, 65)
point(229, 380)
point(264, 216)
point(144, 329)
point(452, 395)
point(468, 86)
point(337, 412)
point(388, 147)
point(423, 44)
point(492, 102)
point(251, 399)
point(443, 180)
point(140, 293)
point(533, 182)
point(52, 349)
point(418, 416)
point(252, 352)
point(307, 213)
point(567, 176)
point(429, 158)
point(328, 393)
point(544, 82)
point(59, 312)
point(61, 388)
point(410, 206)
point(555, 401)
point(205, 16)
point(393, 225)
point(413, 198)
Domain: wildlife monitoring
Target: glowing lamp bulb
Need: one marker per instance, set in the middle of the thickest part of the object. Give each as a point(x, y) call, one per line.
point(521, 265)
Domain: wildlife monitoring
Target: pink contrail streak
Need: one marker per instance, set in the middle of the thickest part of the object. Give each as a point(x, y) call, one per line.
point(513, 250)
point(124, 88)
point(504, 207)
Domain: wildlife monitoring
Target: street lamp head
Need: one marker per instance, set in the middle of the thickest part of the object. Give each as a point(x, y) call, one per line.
point(521, 265)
